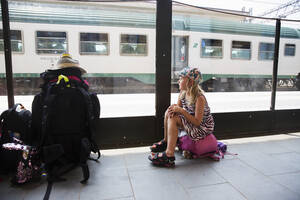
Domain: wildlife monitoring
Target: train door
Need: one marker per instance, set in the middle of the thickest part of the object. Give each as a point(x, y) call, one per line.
point(180, 49)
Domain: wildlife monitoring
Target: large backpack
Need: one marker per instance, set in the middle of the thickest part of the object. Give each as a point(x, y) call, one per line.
point(63, 122)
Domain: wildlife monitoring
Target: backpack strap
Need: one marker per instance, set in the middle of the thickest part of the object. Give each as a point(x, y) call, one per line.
point(55, 177)
point(62, 81)
point(85, 171)
point(45, 112)
point(85, 147)
point(48, 191)
point(91, 119)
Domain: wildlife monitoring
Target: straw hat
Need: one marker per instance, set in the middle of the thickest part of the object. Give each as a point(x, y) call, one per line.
point(67, 61)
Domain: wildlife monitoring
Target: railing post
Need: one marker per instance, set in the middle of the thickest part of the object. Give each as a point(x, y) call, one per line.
point(7, 51)
point(275, 64)
point(163, 61)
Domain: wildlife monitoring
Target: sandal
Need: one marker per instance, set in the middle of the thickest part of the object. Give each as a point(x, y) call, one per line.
point(161, 159)
point(159, 146)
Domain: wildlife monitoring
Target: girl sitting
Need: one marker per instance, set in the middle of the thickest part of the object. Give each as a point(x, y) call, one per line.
point(191, 114)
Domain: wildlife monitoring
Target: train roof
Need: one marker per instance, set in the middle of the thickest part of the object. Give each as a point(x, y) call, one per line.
point(66, 13)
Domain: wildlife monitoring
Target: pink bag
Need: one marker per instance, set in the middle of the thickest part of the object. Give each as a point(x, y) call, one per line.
point(201, 148)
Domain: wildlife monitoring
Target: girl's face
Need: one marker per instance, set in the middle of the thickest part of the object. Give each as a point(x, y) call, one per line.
point(183, 81)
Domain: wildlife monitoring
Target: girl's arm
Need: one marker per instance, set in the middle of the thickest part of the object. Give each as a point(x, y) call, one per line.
point(170, 111)
point(199, 111)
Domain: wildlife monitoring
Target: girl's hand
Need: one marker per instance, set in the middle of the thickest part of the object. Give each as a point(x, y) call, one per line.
point(170, 112)
point(174, 109)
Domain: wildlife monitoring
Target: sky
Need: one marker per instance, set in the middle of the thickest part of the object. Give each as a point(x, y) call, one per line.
point(258, 6)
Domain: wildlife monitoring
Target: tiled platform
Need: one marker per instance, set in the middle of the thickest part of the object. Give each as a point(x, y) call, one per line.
point(265, 168)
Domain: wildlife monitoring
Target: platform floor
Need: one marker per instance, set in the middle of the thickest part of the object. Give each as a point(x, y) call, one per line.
point(265, 168)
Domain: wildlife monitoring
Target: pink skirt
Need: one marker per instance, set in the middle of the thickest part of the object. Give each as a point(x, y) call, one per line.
point(199, 148)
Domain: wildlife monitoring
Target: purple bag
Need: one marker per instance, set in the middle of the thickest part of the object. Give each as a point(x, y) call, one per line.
point(201, 148)
point(222, 147)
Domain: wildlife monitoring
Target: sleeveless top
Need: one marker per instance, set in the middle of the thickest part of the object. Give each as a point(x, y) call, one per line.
point(207, 125)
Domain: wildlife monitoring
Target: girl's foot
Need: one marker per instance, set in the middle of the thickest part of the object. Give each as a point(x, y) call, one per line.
point(161, 159)
point(159, 146)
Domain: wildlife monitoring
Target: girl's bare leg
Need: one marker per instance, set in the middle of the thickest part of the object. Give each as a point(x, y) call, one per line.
point(166, 126)
point(173, 124)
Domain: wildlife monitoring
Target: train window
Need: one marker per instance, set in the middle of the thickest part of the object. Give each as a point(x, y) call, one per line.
point(133, 44)
point(266, 51)
point(289, 49)
point(16, 41)
point(48, 42)
point(211, 48)
point(241, 50)
point(178, 24)
point(94, 43)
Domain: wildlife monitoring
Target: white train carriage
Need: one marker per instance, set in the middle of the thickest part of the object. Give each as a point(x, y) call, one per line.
point(116, 45)
point(36, 57)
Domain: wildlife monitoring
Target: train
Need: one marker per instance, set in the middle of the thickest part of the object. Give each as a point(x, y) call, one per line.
point(115, 43)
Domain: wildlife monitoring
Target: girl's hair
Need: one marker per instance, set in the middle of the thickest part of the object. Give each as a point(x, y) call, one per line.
point(194, 91)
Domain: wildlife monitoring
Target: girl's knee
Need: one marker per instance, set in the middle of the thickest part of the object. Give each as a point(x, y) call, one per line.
point(166, 114)
point(175, 119)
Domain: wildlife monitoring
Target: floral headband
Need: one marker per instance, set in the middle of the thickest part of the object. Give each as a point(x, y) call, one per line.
point(193, 74)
